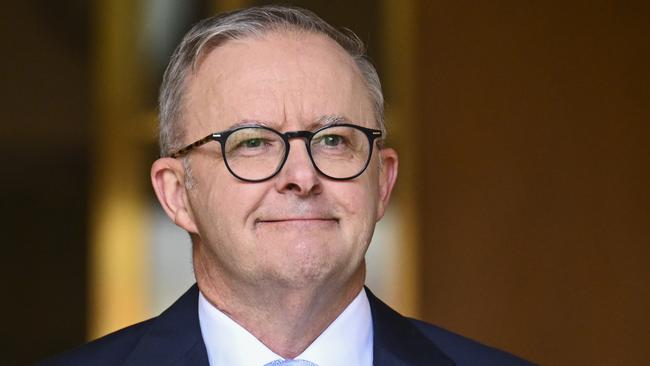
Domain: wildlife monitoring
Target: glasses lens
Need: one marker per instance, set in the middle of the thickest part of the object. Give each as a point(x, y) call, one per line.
point(254, 153)
point(340, 151)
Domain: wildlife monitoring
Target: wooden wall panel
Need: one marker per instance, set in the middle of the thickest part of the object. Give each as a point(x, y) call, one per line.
point(534, 168)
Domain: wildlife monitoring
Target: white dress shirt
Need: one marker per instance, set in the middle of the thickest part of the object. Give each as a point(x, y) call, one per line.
point(346, 341)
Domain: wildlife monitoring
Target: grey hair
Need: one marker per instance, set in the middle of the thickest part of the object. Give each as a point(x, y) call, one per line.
point(256, 21)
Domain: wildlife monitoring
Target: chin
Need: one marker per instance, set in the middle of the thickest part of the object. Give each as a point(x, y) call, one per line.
point(316, 272)
point(295, 271)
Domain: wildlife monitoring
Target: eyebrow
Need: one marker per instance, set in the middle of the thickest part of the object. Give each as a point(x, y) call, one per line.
point(322, 121)
point(331, 119)
point(248, 123)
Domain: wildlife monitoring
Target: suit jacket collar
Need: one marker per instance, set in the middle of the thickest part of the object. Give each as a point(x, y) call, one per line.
point(174, 338)
point(398, 342)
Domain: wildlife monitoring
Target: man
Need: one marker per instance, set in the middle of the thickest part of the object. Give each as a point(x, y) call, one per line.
point(271, 135)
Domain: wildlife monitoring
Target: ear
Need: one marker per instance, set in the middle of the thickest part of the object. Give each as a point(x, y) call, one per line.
point(387, 178)
point(168, 180)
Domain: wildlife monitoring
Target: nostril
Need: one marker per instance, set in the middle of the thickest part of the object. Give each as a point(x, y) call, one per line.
point(293, 187)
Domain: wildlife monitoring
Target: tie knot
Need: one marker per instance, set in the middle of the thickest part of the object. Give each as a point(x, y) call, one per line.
point(290, 363)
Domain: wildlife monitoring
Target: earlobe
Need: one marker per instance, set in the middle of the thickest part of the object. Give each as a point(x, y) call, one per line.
point(387, 178)
point(168, 180)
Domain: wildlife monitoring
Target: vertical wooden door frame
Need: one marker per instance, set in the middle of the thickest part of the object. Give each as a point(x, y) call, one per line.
point(117, 266)
point(398, 34)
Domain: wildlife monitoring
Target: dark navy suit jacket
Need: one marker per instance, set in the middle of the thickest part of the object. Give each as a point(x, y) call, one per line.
point(174, 338)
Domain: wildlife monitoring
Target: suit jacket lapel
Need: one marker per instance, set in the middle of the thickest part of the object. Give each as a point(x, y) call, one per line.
point(397, 342)
point(174, 338)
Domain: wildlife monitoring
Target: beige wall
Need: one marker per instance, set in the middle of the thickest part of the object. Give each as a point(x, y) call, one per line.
point(534, 173)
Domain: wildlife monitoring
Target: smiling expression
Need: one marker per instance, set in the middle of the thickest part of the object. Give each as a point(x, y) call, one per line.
point(299, 228)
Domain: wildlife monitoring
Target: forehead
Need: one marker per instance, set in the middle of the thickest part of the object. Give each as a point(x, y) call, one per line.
point(283, 79)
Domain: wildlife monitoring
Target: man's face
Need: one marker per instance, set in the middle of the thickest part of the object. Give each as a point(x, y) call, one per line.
point(298, 228)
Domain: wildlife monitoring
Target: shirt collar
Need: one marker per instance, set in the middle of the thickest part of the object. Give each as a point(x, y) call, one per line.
point(347, 340)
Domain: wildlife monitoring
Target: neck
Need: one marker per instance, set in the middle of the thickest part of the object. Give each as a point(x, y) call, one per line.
point(286, 319)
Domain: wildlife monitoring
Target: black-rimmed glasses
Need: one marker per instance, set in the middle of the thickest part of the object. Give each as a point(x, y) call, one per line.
point(258, 153)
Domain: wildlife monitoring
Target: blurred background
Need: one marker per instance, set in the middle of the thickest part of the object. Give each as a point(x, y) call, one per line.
point(522, 214)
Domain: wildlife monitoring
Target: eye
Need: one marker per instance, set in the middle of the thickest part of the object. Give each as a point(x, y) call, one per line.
point(332, 140)
point(251, 143)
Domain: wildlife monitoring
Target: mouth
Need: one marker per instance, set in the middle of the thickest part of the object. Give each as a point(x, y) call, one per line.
point(299, 221)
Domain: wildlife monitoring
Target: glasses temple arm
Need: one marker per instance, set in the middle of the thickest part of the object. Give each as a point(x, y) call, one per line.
point(194, 145)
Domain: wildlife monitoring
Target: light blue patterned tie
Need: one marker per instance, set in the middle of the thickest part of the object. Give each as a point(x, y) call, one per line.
point(290, 363)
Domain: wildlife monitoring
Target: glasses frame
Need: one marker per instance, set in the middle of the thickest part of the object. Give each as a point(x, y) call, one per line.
point(306, 136)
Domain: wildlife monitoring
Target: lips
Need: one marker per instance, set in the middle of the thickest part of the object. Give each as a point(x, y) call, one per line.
point(297, 213)
point(299, 226)
point(298, 220)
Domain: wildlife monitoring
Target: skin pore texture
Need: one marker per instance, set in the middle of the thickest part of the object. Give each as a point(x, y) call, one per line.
point(282, 257)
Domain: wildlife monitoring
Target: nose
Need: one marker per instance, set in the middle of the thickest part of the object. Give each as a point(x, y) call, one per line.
point(298, 175)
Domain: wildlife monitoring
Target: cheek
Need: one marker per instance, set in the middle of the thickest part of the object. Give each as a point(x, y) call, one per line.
point(233, 203)
point(224, 202)
point(359, 201)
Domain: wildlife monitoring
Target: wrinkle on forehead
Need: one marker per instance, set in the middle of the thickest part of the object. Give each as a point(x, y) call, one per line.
point(316, 123)
point(280, 78)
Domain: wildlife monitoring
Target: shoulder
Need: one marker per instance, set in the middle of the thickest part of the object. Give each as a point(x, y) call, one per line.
point(173, 336)
point(465, 351)
point(406, 341)
point(111, 349)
